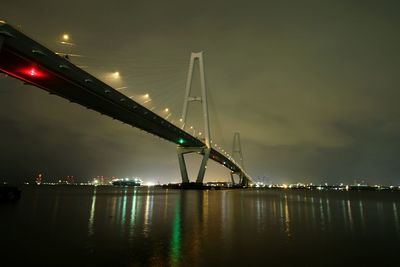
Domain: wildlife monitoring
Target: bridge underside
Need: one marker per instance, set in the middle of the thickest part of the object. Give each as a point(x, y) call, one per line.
point(24, 59)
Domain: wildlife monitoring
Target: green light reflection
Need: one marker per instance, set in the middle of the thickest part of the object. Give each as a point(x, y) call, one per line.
point(176, 240)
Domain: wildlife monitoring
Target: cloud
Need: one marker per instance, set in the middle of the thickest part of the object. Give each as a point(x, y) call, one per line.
point(312, 87)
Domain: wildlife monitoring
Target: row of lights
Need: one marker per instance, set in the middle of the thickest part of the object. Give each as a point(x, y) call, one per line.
point(166, 110)
point(147, 99)
point(117, 76)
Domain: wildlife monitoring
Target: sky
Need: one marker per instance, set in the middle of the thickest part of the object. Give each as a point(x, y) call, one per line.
point(312, 87)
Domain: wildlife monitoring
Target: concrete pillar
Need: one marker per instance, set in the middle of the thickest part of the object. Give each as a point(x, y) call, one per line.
point(182, 166)
point(204, 151)
point(203, 166)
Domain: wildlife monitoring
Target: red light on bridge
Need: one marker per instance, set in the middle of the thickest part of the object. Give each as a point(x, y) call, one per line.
point(33, 72)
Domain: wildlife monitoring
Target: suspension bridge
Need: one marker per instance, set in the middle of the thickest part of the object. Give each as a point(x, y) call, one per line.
point(25, 59)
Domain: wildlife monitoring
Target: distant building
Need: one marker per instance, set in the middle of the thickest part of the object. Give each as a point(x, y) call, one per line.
point(102, 180)
point(39, 179)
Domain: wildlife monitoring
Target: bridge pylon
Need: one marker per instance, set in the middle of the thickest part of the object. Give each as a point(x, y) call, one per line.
point(238, 154)
point(204, 151)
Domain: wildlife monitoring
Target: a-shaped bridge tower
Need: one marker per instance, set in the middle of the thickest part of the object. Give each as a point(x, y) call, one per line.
point(206, 149)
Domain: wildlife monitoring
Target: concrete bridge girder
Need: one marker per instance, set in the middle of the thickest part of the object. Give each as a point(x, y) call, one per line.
point(1, 42)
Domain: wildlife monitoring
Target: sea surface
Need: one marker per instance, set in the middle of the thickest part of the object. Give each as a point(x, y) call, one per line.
point(110, 226)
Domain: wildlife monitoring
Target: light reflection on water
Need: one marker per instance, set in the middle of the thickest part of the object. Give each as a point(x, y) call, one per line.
point(396, 218)
point(133, 214)
point(321, 212)
point(287, 218)
point(92, 211)
point(147, 213)
point(155, 227)
point(350, 215)
point(176, 235)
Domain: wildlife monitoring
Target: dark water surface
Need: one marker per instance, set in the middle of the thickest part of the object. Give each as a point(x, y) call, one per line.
point(106, 226)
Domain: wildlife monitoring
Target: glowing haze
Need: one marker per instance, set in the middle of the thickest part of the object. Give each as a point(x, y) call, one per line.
point(312, 86)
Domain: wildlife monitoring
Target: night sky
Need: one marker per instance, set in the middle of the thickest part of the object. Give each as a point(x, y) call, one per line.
point(312, 86)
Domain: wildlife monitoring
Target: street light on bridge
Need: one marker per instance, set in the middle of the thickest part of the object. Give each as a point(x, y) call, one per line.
point(146, 98)
point(116, 75)
point(66, 40)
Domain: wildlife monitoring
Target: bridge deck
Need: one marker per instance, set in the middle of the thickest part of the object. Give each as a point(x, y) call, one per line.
point(27, 60)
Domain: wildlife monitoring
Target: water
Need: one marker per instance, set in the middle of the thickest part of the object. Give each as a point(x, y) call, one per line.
point(106, 226)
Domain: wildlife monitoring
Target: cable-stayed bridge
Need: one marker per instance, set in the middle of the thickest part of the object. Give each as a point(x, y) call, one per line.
point(27, 60)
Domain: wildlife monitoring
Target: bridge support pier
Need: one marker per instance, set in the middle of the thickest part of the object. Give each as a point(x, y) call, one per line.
point(243, 181)
point(203, 166)
point(239, 174)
